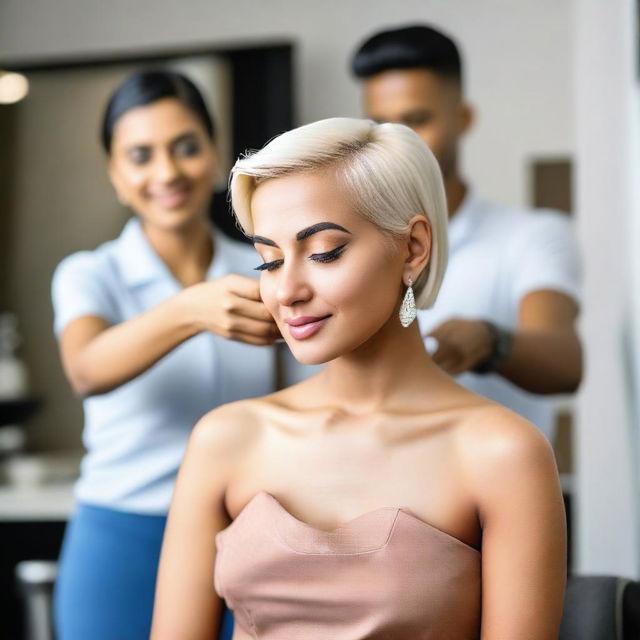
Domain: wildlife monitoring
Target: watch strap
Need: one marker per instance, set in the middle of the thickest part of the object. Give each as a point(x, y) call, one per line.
point(501, 347)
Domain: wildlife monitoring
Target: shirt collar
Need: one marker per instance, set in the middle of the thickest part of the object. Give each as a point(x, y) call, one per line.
point(140, 264)
point(462, 223)
point(221, 264)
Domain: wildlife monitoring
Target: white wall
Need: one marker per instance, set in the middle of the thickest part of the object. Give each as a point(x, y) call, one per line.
point(517, 54)
point(608, 201)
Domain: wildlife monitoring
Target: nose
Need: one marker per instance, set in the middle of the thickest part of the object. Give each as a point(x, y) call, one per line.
point(166, 168)
point(292, 287)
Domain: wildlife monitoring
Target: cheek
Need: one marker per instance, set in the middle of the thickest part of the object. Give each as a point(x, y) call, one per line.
point(200, 169)
point(121, 173)
point(268, 294)
point(138, 180)
point(132, 179)
point(367, 286)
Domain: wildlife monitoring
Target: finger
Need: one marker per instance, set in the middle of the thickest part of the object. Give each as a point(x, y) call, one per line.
point(244, 287)
point(449, 366)
point(457, 369)
point(464, 364)
point(257, 328)
point(445, 354)
point(249, 338)
point(440, 358)
point(236, 305)
point(446, 358)
point(442, 329)
point(252, 309)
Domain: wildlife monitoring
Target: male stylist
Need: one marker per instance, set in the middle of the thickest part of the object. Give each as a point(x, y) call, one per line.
point(505, 317)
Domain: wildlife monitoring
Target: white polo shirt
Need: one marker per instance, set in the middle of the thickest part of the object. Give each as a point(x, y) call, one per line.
point(497, 255)
point(136, 435)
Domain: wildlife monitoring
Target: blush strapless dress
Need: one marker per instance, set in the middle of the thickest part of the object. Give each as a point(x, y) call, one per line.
point(386, 575)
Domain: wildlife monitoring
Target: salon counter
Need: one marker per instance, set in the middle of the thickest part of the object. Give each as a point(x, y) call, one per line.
point(33, 518)
point(45, 503)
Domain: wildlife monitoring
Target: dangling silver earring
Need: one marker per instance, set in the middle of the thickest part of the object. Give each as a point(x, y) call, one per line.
point(408, 309)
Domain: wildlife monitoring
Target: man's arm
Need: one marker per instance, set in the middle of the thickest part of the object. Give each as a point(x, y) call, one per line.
point(544, 355)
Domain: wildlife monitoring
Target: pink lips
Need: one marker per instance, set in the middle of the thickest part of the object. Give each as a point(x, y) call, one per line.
point(305, 326)
point(172, 199)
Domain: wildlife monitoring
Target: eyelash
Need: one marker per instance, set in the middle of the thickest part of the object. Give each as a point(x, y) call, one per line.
point(184, 148)
point(329, 256)
point(268, 266)
point(187, 148)
point(140, 156)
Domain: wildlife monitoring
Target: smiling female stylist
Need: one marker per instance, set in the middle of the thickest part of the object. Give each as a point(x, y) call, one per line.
point(156, 328)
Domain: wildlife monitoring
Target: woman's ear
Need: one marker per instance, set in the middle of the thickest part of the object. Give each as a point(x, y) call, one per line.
point(418, 248)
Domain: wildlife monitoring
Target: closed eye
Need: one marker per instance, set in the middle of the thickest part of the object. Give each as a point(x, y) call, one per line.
point(269, 266)
point(329, 256)
point(417, 119)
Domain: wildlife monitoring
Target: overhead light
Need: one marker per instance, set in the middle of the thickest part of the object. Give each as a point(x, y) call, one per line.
point(13, 87)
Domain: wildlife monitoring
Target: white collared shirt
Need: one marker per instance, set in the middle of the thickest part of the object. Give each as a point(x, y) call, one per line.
point(136, 435)
point(497, 255)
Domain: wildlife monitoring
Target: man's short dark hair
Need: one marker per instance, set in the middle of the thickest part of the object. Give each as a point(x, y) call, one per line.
point(412, 47)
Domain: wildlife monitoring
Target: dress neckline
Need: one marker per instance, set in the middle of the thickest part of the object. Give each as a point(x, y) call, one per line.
point(364, 533)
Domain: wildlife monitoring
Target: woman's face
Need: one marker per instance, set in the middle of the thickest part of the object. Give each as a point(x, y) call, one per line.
point(330, 278)
point(162, 164)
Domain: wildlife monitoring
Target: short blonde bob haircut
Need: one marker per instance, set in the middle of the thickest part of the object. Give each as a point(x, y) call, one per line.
point(389, 172)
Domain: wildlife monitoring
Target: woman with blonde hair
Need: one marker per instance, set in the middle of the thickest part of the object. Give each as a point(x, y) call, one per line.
point(377, 499)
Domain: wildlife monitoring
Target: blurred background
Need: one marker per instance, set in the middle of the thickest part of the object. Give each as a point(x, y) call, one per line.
point(556, 87)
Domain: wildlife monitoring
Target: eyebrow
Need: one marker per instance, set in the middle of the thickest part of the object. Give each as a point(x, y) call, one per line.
point(314, 228)
point(179, 138)
point(261, 240)
point(184, 136)
point(418, 112)
point(302, 235)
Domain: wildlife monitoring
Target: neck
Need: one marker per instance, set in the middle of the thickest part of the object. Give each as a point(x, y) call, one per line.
point(187, 251)
point(456, 191)
point(383, 373)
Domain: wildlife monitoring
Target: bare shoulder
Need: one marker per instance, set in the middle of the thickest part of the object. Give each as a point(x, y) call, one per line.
point(494, 431)
point(492, 442)
point(228, 430)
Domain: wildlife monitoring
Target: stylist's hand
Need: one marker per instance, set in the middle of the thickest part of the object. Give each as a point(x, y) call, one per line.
point(462, 344)
point(230, 307)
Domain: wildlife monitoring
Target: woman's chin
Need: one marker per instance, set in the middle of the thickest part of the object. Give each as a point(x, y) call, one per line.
point(172, 219)
point(311, 355)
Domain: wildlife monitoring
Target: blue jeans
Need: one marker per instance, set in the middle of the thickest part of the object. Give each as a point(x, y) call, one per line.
point(107, 576)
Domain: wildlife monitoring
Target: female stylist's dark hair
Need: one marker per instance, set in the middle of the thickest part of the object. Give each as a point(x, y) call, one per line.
point(145, 87)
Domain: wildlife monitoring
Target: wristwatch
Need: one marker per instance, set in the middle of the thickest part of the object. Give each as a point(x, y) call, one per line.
point(502, 339)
